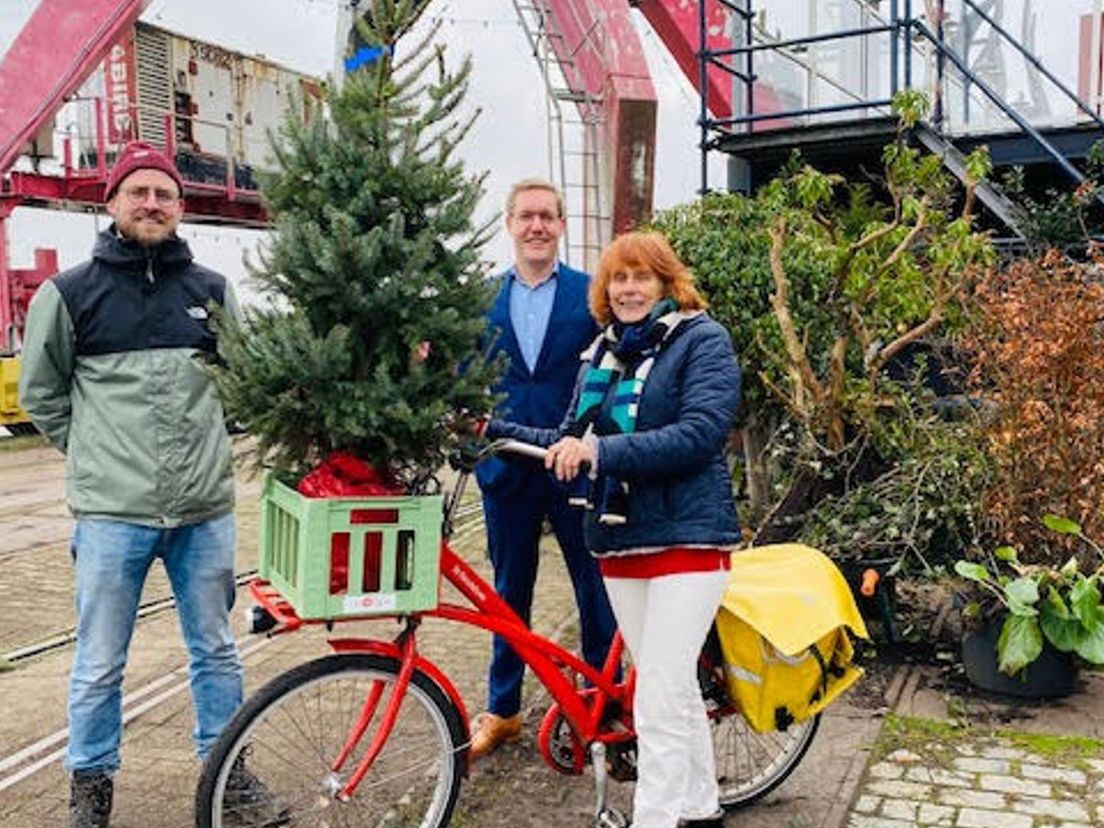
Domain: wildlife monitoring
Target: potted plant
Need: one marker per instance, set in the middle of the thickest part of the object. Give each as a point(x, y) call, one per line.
point(1034, 346)
point(1037, 619)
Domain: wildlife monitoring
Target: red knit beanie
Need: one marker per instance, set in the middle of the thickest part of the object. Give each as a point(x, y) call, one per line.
point(138, 155)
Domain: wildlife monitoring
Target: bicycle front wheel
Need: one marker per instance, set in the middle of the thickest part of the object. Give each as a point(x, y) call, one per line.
point(277, 763)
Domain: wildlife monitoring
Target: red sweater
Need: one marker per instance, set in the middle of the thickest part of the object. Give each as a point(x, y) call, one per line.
point(669, 561)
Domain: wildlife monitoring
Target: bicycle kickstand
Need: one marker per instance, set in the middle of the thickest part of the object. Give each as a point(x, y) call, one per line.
point(604, 815)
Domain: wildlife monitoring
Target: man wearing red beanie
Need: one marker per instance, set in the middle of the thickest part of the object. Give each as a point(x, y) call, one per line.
point(112, 374)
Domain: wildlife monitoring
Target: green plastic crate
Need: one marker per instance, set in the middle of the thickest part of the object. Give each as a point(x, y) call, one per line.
point(393, 552)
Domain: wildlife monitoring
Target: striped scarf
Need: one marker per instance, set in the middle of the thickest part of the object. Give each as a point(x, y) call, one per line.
point(609, 399)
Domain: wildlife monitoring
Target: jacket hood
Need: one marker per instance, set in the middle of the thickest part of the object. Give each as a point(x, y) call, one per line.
point(113, 249)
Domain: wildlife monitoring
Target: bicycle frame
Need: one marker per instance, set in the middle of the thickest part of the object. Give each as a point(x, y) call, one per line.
point(309, 708)
point(555, 667)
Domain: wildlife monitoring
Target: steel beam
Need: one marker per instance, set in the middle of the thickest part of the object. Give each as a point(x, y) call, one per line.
point(53, 53)
point(599, 41)
point(676, 23)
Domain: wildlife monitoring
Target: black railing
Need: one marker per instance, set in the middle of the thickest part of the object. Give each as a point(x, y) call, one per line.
point(1001, 104)
point(902, 26)
point(1034, 61)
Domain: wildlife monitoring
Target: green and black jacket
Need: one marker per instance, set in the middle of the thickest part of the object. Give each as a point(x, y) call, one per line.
point(112, 372)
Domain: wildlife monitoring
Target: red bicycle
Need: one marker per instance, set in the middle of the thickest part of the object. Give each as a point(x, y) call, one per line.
point(377, 735)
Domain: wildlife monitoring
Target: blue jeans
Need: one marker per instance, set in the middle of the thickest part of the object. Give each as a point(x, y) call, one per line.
point(112, 559)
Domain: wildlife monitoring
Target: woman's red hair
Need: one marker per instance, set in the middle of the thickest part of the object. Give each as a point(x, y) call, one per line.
point(637, 251)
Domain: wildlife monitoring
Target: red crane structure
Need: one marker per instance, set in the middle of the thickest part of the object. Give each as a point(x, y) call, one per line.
point(62, 43)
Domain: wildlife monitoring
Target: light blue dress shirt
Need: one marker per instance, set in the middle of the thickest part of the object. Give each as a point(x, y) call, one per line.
point(530, 310)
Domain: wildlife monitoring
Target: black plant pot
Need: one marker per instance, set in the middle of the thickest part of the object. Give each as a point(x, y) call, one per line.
point(1052, 674)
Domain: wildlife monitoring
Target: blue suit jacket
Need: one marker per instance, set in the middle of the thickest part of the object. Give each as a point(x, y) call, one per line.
point(539, 397)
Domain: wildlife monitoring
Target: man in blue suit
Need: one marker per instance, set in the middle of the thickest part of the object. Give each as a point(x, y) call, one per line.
point(541, 322)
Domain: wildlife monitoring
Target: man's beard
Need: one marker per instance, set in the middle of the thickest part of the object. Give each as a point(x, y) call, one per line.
point(148, 231)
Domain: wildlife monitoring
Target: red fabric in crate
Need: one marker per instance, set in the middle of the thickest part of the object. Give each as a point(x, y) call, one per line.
point(343, 475)
point(339, 563)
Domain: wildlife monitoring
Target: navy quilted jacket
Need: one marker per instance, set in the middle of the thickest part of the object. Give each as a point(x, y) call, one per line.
point(680, 491)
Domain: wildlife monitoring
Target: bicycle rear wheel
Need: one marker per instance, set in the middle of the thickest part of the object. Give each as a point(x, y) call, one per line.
point(749, 765)
point(288, 735)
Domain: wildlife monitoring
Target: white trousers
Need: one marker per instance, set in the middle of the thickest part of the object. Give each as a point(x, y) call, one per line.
point(664, 622)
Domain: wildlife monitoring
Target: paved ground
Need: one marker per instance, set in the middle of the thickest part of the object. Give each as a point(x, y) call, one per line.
point(978, 781)
point(976, 761)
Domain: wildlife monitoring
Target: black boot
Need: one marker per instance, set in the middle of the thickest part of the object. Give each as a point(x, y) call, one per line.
point(90, 796)
point(707, 822)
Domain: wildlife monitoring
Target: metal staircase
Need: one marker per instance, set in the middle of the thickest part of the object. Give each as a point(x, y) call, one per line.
point(574, 117)
point(965, 65)
point(955, 162)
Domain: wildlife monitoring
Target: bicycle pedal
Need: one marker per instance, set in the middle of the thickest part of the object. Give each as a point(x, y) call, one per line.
point(611, 818)
point(621, 761)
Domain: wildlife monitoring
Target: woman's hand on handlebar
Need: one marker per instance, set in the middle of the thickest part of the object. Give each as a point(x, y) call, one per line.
point(569, 457)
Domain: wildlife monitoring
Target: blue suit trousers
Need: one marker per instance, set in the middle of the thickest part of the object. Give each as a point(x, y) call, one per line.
point(513, 533)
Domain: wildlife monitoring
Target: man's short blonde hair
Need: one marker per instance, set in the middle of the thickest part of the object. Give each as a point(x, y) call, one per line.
point(533, 184)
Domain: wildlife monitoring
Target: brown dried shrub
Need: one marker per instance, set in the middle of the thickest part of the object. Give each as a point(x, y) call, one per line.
point(1037, 350)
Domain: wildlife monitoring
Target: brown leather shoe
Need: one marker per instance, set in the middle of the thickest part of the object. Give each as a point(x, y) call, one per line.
point(490, 731)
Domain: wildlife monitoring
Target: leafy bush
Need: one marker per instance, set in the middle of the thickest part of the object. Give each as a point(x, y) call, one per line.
point(826, 287)
point(1060, 603)
point(1063, 219)
point(923, 509)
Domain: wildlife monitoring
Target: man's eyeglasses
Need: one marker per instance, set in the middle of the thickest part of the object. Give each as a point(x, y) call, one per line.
point(140, 195)
point(527, 217)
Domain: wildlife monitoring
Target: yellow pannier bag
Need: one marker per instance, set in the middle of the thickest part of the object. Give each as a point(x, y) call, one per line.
point(783, 627)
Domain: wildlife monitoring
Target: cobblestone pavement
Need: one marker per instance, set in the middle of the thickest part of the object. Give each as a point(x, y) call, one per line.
point(154, 789)
point(950, 756)
point(981, 783)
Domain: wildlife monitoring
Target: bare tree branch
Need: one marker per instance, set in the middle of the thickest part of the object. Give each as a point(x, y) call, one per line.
point(779, 302)
point(786, 399)
point(968, 205)
point(837, 373)
point(907, 242)
point(935, 316)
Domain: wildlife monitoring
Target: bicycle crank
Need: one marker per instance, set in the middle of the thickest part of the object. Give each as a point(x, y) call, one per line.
point(559, 745)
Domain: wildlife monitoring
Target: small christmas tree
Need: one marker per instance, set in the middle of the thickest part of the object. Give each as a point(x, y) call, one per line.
point(371, 344)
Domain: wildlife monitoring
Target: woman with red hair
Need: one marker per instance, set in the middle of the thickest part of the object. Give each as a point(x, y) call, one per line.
point(655, 400)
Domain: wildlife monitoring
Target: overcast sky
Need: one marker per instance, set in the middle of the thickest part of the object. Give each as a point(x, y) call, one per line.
point(509, 140)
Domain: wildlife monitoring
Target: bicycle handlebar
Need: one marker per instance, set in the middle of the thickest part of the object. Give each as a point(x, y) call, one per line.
point(467, 458)
point(507, 445)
